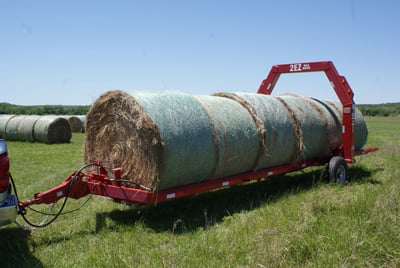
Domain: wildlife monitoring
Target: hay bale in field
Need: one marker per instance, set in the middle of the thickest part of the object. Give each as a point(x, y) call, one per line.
point(4, 119)
point(83, 121)
point(167, 139)
point(25, 128)
point(75, 122)
point(46, 129)
point(52, 129)
point(12, 128)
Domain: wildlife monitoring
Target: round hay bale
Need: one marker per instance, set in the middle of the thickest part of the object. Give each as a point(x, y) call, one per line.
point(75, 123)
point(360, 127)
point(274, 118)
point(83, 121)
point(4, 118)
point(306, 128)
point(25, 128)
point(52, 129)
point(167, 139)
point(236, 139)
point(12, 127)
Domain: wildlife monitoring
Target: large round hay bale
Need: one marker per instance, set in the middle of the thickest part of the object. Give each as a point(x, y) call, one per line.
point(360, 127)
point(4, 119)
point(235, 133)
point(25, 128)
point(75, 122)
point(12, 127)
point(52, 129)
point(167, 139)
point(306, 128)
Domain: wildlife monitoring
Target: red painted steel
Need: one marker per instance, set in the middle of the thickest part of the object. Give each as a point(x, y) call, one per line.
point(103, 186)
point(4, 172)
point(339, 84)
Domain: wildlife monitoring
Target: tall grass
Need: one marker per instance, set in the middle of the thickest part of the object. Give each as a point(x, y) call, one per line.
point(292, 220)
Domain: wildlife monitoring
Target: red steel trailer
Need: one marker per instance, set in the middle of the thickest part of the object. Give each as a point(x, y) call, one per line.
point(97, 182)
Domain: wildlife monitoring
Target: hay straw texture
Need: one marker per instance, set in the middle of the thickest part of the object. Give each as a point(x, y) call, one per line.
point(33, 128)
point(168, 139)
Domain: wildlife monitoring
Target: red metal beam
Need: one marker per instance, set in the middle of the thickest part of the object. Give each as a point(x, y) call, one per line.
point(135, 195)
point(76, 189)
point(100, 184)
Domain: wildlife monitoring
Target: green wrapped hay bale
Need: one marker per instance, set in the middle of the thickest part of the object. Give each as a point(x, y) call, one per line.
point(298, 128)
point(360, 127)
point(315, 124)
point(271, 116)
point(12, 128)
point(167, 139)
point(20, 128)
point(4, 119)
point(236, 139)
point(25, 128)
point(52, 129)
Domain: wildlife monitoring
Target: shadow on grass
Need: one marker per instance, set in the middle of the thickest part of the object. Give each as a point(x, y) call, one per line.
point(362, 175)
point(206, 209)
point(14, 249)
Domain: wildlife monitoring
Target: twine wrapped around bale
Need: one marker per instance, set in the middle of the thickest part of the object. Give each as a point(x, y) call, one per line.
point(168, 139)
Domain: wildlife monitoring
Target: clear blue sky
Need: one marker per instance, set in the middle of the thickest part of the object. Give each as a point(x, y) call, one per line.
point(70, 52)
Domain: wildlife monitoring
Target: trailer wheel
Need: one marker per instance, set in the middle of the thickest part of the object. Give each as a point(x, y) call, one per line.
point(337, 169)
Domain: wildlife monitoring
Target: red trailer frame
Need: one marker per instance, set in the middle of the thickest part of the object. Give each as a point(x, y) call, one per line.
point(80, 184)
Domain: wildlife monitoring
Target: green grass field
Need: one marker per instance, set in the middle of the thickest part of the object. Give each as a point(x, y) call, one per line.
point(295, 220)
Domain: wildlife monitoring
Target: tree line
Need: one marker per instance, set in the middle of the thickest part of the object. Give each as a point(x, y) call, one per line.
point(385, 109)
point(7, 108)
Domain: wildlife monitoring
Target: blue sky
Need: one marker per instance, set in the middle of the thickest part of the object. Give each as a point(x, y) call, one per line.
point(70, 52)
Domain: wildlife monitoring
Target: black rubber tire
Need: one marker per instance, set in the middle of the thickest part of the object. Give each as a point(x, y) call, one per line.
point(337, 169)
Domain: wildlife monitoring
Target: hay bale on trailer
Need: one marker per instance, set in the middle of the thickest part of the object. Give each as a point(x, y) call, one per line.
point(167, 139)
point(306, 128)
